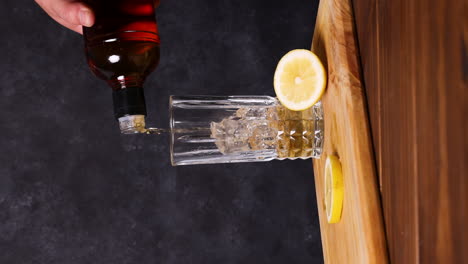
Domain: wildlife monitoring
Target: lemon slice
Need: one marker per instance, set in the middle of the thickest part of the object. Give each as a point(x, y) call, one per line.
point(334, 189)
point(299, 80)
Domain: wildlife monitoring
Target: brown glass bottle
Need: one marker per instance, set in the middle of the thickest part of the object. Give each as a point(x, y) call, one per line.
point(122, 48)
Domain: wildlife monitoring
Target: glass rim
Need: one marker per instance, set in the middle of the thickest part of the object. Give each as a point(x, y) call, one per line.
point(171, 129)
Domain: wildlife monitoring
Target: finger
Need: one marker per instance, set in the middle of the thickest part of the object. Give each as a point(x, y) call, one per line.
point(76, 28)
point(75, 13)
point(47, 5)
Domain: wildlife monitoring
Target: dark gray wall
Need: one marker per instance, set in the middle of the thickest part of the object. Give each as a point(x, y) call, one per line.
point(72, 190)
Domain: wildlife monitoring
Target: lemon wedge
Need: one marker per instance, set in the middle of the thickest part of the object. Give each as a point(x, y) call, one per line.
point(334, 189)
point(300, 80)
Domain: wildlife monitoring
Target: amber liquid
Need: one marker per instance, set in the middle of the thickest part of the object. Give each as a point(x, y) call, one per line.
point(274, 130)
point(296, 132)
point(122, 47)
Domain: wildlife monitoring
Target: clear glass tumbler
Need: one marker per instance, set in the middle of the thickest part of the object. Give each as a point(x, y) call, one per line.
point(225, 129)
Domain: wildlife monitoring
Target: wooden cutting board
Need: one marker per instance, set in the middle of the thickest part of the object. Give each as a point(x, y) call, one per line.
point(359, 237)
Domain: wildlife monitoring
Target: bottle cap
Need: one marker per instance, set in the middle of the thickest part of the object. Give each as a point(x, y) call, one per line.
point(132, 124)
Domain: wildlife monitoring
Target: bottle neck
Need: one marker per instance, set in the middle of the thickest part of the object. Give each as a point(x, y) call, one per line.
point(129, 101)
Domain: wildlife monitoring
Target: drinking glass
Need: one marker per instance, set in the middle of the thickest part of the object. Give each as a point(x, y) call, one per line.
point(225, 129)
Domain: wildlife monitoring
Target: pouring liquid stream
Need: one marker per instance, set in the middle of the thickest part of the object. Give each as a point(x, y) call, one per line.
point(156, 131)
point(185, 138)
point(160, 131)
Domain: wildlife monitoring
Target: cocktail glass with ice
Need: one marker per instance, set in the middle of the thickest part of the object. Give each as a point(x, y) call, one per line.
point(226, 129)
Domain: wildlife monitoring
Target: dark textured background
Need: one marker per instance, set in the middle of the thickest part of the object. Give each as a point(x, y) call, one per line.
point(72, 190)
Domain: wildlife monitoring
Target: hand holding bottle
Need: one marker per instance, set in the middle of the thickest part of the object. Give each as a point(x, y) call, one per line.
point(70, 14)
point(122, 48)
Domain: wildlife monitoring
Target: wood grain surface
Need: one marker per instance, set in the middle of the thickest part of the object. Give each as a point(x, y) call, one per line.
point(414, 63)
point(359, 237)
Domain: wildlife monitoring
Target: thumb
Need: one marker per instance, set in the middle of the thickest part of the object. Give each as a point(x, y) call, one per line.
point(75, 13)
